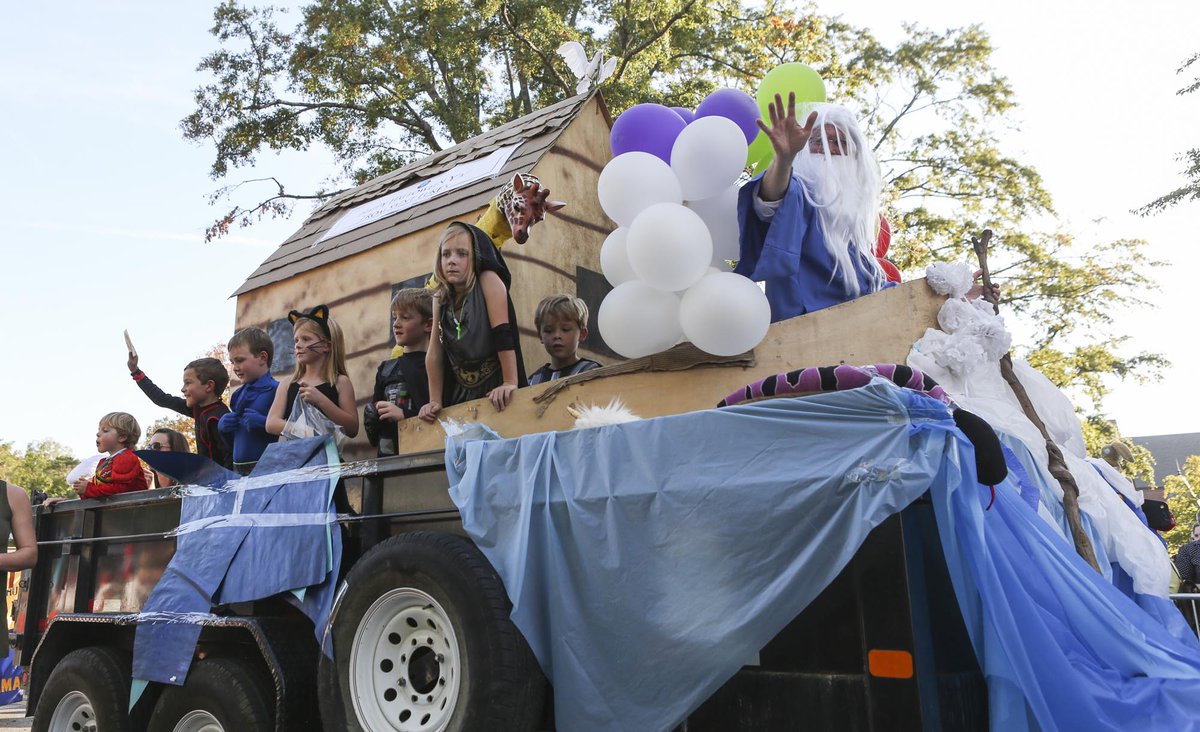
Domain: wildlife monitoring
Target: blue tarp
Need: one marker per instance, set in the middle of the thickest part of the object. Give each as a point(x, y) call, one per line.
point(684, 542)
point(690, 541)
point(241, 540)
point(1062, 647)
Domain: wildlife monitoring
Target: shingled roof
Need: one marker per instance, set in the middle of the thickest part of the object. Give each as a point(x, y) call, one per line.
point(536, 134)
point(1170, 452)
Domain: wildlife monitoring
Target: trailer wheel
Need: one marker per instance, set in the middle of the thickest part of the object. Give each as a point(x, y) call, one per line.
point(422, 641)
point(220, 695)
point(87, 690)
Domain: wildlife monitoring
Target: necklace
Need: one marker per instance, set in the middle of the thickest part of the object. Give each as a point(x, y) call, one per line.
point(458, 327)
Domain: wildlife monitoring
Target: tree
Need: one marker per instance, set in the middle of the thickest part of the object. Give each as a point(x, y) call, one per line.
point(381, 82)
point(1189, 191)
point(1183, 496)
point(41, 466)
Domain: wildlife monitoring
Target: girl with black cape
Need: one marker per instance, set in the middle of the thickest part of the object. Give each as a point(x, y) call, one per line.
point(474, 349)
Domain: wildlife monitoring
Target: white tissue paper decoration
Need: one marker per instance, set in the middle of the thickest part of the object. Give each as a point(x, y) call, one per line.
point(951, 280)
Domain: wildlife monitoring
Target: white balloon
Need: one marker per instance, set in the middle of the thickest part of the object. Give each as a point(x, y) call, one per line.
point(614, 260)
point(725, 314)
point(708, 156)
point(669, 246)
point(720, 216)
point(632, 182)
point(637, 320)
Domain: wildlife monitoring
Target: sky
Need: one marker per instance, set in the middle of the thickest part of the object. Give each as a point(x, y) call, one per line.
point(105, 203)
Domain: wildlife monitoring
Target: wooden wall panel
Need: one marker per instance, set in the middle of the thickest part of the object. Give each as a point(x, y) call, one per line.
point(879, 328)
point(358, 288)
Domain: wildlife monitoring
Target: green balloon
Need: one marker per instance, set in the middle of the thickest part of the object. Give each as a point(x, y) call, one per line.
point(759, 154)
point(794, 77)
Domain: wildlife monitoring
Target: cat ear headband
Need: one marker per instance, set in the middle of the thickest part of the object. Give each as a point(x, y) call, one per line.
point(319, 315)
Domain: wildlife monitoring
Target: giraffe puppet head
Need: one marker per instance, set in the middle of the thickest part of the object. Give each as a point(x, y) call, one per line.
point(524, 203)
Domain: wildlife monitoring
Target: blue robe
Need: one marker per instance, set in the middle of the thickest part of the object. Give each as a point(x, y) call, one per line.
point(788, 253)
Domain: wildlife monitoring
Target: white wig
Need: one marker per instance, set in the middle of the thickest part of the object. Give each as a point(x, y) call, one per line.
point(845, 190)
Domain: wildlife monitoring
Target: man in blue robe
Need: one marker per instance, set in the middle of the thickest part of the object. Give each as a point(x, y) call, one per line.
point(808, 224)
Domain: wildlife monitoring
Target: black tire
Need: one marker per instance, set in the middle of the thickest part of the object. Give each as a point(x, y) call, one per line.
point(423, 593)
point(101, 676)
point(224, 688)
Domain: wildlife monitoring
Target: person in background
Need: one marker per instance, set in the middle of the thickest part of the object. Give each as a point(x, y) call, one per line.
point(204, 381)
point(244, 428)
point(16, 520)
point(401, 383)
point(561, 322)
point(165, 440)
point(1187, 561)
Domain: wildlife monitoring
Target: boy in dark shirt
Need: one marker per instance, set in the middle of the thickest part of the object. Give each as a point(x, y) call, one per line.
point(204, 381)
point(245, 427)
point(562, 323)
point(401, 384)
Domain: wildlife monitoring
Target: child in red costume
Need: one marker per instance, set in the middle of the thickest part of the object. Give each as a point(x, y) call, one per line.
point(121, 471)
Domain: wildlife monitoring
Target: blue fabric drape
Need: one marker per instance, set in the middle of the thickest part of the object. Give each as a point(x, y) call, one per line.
point(1062, 648)
point(692, 540)
point(689, 541)
point(240, 544)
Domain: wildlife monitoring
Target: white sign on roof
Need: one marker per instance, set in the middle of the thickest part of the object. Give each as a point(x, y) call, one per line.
point(426, 190)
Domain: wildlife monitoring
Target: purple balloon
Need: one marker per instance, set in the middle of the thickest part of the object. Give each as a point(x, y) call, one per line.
point(687, 114)
point(733, 104)
point(650, 128)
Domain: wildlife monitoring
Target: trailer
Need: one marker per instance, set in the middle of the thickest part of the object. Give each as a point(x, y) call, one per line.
point(420, 627)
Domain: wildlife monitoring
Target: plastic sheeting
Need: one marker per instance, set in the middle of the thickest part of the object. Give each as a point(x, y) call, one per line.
point(240, 540)
point(1062, 648)
point(1117, 529)
point(690, 541)
point(683, 542)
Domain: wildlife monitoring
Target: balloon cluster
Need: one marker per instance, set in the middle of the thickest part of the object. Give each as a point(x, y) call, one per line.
point(672, 189)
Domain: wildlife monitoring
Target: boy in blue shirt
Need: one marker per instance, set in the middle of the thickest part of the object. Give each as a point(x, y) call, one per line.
point(245, 427)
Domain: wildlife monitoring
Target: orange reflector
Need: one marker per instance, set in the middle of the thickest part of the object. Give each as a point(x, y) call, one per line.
point(890, 664)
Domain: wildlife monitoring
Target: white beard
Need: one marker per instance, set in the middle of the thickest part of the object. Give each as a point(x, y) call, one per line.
point(847, 210)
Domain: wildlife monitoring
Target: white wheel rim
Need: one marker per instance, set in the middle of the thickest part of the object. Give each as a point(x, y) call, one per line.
point(74, 713)
point(405, 666)
point(199, 721)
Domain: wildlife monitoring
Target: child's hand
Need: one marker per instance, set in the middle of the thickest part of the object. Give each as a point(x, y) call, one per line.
point(52, 501)
point(388, 410)
point(313, 395)
point(79, 486)
point(429, 412)
point(501, 396)
point(133, 362)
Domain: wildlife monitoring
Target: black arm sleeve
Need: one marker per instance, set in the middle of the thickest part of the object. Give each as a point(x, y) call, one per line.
point(161, 398)
point(211, 444)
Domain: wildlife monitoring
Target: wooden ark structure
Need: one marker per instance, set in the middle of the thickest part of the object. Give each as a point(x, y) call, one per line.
point(356, 270)
point(355, 251)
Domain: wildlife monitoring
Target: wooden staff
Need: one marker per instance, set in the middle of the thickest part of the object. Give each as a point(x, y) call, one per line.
point(1057, 466)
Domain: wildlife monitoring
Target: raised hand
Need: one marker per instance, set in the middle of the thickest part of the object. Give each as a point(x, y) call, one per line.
point(787, 136)
point(133, 362)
